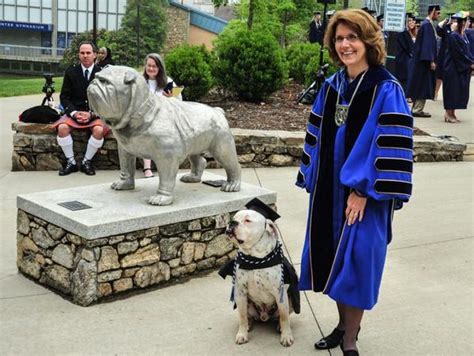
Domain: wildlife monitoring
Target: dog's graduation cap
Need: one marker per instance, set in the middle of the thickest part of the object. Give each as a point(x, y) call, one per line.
point(262, 208)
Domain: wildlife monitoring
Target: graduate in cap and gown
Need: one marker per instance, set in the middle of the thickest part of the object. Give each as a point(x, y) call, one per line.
point(404, 51)
point(357, 166)
point(315, 28)
point(380, 23)
point(421, 84)
point(469, 33)
point(443, 30)
point(458, 65)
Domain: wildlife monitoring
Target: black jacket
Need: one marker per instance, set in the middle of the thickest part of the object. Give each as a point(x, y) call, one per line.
point(74, 91)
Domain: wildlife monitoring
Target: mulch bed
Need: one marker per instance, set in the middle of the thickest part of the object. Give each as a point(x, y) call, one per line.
point(278, 112)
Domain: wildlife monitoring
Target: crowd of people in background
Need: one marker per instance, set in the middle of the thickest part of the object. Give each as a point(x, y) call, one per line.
point(430, 54)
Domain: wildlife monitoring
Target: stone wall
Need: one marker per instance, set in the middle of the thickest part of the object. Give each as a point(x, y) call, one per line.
point(35, 149)
point(88, 270)
point(178, 27)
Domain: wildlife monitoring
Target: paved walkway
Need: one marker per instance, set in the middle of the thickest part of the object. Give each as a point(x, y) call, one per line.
point(426, 301)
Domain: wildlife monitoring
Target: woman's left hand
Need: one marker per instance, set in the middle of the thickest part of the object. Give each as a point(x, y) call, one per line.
point(355, 208)
point(167, 94)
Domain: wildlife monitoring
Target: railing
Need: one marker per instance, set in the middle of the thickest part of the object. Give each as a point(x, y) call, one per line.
point(31, 53)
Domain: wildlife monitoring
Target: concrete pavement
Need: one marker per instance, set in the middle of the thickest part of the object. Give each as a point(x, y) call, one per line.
point(426, 301)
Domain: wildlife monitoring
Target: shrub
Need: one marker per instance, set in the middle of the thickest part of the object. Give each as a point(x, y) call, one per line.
point(249, 63)
point(313, 66)
point(303, 60)
point(190, 66)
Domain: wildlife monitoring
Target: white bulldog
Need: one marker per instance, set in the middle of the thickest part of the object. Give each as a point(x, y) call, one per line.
point(257, 292)
point(165, 130)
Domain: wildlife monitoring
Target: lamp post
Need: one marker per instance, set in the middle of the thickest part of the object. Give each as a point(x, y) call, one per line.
point(94, 22)
point(138, 33)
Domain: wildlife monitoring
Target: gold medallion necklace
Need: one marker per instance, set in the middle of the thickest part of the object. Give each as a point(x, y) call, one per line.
point(340, 116)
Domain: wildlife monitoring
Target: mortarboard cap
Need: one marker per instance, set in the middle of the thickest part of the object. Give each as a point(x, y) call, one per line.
point(433, 7)
point(330, 13)
point(317, 13)
point(460, 16)
point(380, 17)
point(409, 14)
point(262, 208)
point(418, 20)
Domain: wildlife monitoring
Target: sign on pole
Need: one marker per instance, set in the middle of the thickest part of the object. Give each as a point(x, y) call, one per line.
point(394, 18)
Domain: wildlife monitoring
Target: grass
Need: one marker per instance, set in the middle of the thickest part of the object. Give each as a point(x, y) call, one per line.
point(15, 85)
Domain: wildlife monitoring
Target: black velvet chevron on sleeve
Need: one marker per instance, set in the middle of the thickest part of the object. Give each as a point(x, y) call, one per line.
point(315, 120)
point(310, 139)
point(305, 159)
point(394, 165)
point(395, 141)
point(396, 120)
point(383, 186)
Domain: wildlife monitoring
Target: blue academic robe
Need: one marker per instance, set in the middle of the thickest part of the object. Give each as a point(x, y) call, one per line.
point(421, 84)
point(403, 57)
point(457, 72)
point(372, 153)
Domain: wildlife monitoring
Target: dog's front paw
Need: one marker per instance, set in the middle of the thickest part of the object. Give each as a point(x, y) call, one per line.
point(160, 199)
point(232, 186)
point(190, 178)
point(286, 339)
point(241, 338)
point(123, 185)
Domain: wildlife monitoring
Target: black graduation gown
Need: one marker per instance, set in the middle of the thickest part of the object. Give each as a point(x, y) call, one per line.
point(457, 72)
point(443, 33)
point(403, 57)
point(315, 31)
point(470, 37)
point(421, 84)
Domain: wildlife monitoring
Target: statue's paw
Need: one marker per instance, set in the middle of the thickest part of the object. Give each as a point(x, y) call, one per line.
point(160, 199)
point(190, 178)
point(232, 186)
point(123, 185)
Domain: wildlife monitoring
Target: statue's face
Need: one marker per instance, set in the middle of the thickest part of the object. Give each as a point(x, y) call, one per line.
point(113, 90)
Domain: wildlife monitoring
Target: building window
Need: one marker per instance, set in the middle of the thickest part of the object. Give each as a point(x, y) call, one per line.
point(71, 21)
point(62, 21)
point(72, 4)
point(111, 22)
point(82, 22)
point(22, 14)
point(62, 4)
point(10, 13)
point(113, 6)
point(35, 3)
point(47, 4)
point(35, 15)
point(102, 21)
point(46, 16)
point(82, 5)
point(22, 2)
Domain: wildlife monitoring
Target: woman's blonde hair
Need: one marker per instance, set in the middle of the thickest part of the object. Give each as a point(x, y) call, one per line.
point(364, 25)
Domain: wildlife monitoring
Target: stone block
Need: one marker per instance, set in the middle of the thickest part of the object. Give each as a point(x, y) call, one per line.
point(169, 247)
point(122, 285)
point(219, 246)
point(108, 259)
point(154, 274)
point(63, 255)
point(23, 222)
point(143, 256)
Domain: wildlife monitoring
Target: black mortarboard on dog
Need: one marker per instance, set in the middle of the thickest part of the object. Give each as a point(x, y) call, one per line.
point(262, 208)
point(433, 7)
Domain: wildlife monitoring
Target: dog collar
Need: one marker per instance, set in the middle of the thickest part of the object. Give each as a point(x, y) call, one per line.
point(248, 262)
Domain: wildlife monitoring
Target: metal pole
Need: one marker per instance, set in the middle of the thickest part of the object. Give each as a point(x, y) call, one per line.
point(94, 22)
point(321, 40)
point(138, 34)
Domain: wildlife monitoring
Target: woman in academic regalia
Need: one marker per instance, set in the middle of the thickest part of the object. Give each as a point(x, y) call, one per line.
point(357, 167)
point(458, 65)
point(443, 30)
point(404, 51)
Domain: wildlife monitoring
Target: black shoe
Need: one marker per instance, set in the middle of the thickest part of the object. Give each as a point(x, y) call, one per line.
point(331, 341)
point(420, 114)
point(350, 352)
point(68, 168)
point(87, 168)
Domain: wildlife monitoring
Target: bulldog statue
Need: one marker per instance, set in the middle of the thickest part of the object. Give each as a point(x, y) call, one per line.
point(163, 129)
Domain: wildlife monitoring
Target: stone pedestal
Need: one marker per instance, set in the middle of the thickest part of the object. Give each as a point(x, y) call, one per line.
point(119, 242)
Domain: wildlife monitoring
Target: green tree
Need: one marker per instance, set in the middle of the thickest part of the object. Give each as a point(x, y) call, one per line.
point(71, 54)
point(150, 30)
